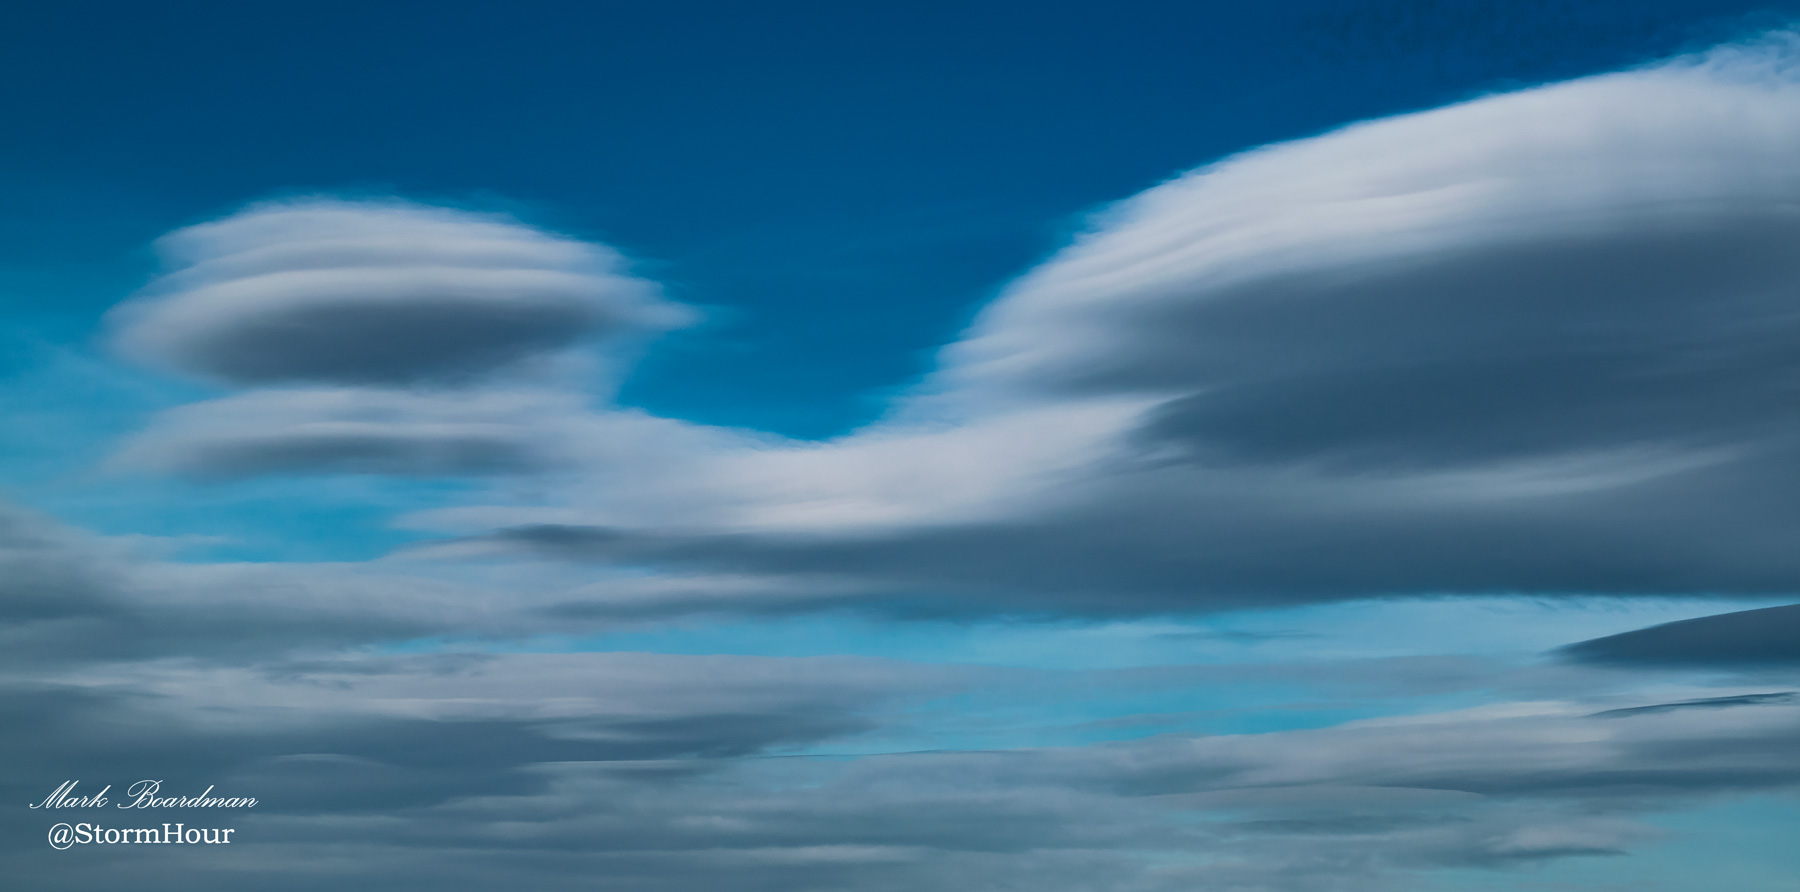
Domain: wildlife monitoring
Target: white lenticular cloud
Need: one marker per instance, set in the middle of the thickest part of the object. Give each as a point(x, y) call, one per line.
point(375, 293)
point(1213, 271)
point(1541, 341)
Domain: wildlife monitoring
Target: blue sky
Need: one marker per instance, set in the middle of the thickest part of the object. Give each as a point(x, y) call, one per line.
point(702, 446)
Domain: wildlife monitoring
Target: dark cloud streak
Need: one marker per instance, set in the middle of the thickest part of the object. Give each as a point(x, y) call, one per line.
point(1768, 636)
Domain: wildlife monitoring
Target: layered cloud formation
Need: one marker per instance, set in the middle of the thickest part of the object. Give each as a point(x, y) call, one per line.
point(375, 293)
point(1536, 342)
point(1541, 342)
point(666, 771)
point(379, 337)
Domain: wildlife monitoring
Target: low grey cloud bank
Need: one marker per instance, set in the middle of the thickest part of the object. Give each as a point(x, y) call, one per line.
point(666, 772)
point(69, 597)
point(672, 771)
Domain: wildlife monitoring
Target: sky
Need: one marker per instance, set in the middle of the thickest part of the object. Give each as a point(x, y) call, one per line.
point(1327, 446)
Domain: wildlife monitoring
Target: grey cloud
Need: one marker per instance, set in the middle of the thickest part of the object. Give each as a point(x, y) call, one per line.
point(351, 451)
point(1536, 342)
point(1549, 752)
point(1704, 703)
point(380, 338)
point(375, 293)
point(70, 598)
point(46, 571)
point(428, 725)
point(1360, 806)
point(1162, 542)
point(1485, 349)
point(677, 772)
point(1495, 353)
point(1539, 342)
point(1506, 346)
point(342, 430)
point(484, 431)
point(334, 775)
point(1769, 636)
point(1502, 226)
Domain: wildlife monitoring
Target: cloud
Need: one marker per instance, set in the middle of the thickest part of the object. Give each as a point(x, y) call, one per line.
point(46, 573)
point(380, 338)
point(375, 293)
point(68, 597)
point(1476, 238)
point(345, 430)
point(1483, 349)
point(681, 772)
point(1534, 342)
point(389, 752)
point(1551, 750)
point(1705, 703)
point(1769, 636)
point(351, 430)
point(678, 771)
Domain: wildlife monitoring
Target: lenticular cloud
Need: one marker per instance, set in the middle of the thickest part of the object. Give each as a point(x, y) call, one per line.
point(329, 291)
point(1542, 341)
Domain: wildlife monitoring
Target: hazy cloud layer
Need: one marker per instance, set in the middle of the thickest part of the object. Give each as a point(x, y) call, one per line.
point(375, 766)
point(665, 772)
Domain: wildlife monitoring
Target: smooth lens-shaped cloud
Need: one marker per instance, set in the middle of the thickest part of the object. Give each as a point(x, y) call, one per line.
point(375, 293)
